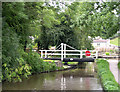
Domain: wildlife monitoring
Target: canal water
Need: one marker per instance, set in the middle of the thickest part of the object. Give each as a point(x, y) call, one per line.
point(82, 78)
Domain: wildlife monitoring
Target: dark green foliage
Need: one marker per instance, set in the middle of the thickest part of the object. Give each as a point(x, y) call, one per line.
point(13, 65)
point(35, 62)
point(107, 78)
point(49, 66)
point(10, 45)
point(14, 73)
point(13, 14)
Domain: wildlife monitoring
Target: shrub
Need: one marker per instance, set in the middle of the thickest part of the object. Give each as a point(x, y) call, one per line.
point(112, 51)
point(15, 73)
point(107, 78)
point(117, 51)
point(35, 62)
point(107, 53)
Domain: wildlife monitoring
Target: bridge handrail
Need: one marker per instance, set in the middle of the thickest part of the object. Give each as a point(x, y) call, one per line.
point(63, 52)
point(71, 50)
point(66, 54)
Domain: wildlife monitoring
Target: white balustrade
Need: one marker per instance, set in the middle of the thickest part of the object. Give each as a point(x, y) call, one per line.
point(63, 52)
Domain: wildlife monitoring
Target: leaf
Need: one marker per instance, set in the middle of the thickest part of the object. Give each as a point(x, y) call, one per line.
point(4, 64)
point(16, 70)
point(13, 74)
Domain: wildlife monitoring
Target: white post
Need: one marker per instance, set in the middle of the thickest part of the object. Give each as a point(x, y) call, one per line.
point(96, 54)
point(45, 54)
point(81, 54)
point(61, 51)
point(41, 54)
point(64, 50)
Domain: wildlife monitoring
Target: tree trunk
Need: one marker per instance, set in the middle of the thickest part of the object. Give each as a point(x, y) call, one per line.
point(25, 45)
point(38, 45)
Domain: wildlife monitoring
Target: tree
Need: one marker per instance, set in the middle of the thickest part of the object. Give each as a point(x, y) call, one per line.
point(106, 20)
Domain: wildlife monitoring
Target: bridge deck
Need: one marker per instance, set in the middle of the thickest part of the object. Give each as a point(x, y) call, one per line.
point(73, 59)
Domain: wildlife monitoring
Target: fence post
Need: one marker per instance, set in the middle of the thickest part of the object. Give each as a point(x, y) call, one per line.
point(96, 54)
point(64, 50)
point(81, 54)
point(41, 54)
point(61, 51)
point(45, 54)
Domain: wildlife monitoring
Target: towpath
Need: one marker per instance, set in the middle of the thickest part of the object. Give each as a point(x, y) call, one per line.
point(114, 69)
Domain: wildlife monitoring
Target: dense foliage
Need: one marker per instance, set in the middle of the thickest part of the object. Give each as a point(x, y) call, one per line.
point(107, 78)
point(50, 25)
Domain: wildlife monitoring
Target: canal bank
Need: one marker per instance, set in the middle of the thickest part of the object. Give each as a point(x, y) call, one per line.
point(83, 78)
point(107, 78)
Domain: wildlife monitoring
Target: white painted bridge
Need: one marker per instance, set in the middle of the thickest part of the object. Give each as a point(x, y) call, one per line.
point(62, 52)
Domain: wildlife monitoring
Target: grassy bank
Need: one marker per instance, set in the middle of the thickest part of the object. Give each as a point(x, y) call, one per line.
point(71, 63)
point(114, 41)
point(119, 65)
point(107, 79)
point(62, 62)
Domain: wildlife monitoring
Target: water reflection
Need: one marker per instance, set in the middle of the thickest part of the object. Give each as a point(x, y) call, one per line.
point(75, 79)
point(0, 86)
point(63, 83)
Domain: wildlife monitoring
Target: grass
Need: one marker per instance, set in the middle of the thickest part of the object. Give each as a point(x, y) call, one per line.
point(115, 41)
point(71, 63)
point(107, 79)
point(119, 65)
point(49, 60)
point(62, 62)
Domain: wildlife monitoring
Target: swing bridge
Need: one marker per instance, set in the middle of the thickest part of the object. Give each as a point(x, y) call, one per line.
point(61, 53)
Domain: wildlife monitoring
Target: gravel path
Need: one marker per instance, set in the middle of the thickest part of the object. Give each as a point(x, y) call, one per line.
point(114, 69)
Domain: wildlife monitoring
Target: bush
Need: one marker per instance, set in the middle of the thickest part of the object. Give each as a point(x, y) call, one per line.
point(37, 64)
point(15, 73)
point(117, 51)
point(107, 78)
point(27, 63)
point(107, 53)
point(13, 65)
point(49, 66)
point(33, 59)
point(112, 51)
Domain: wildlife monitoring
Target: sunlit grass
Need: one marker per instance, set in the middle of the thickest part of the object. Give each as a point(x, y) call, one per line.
point(49, 60)
point(71, 63)
point(115, 41)
point(62, 62)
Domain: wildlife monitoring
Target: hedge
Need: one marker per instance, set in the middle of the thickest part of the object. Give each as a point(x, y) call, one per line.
point(107, 79)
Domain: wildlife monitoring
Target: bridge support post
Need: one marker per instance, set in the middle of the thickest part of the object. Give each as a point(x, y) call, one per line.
point(81, 54)
point(64, 50)
point(45, 54)
point(41, 54)
point(61, 51)
point(96, 54)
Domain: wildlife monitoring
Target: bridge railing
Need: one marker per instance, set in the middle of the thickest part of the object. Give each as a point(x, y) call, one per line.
point(63, 53)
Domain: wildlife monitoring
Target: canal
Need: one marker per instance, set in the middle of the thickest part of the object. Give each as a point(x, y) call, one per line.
point(82, 78)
